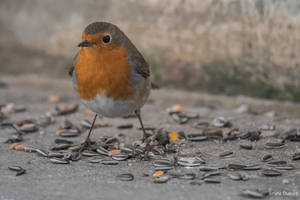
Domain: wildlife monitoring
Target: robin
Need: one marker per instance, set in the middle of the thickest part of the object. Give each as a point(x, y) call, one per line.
point(110, 75)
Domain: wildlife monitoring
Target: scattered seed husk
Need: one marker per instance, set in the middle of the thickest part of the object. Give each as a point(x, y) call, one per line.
point(17, 146)
point(111, 140)
point(285, 167)
point(277, 162)
point(14, 139)
point(126, 150)
point(15, 168)
point(59, 161)
point(64, 109)
point(29, 149)
point(20, 147)
point(236, 166)
point(76, 147)
point(125, 126)
point(45, 120)
point(11, 108)
point(109, 162)
point(268, 128)
point(238, 176)
point(254, 193)
point(197, 137)
point(252, 167)
point(191, 115)
point(188, 176)
point(200, 159)
point(114, 152)
point(73, 156)
point(246, 145)
point(95, 160)
point(221, 122)
point(292, 135)
point(89, 153)
point(68, 132)
point(20, 172)
point(13, 145)
point(62, 141)
point(102, 151)
point(41, 152)
point(55, 155)
point(163, 162)
point(200, 125)
point(234, 131)
point(210, 180)
point(120, 157)
point(296, 155)
point(180, 119)
point(11, 125)
point(86, 123)
point(208, 168)
point(251, 135)
point(158, 150)
point(148, 128)
point(271, 172)
point(29, 128)
point(210, 174)
point(213, 132)
point(24, 121)
point(188, 161)
point(275, 147)
point(231, 135)
point(60, 147)
point(267, 158)
point(67, 156)
point(67, 125)
point(161, 179)
point(125, 177)
point(226, 154)
point(274, 143)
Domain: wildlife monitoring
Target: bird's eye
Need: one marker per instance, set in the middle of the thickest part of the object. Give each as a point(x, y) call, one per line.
point(106, 39)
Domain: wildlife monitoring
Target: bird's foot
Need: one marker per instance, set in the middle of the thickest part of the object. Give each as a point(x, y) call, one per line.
point(148, 148)
point(85, 145)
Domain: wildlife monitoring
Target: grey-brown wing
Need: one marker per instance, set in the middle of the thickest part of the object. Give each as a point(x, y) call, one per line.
point(141, 66)
point(72, 71)
point(72, 68)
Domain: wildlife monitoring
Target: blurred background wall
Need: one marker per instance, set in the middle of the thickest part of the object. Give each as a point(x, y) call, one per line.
point(249, 47)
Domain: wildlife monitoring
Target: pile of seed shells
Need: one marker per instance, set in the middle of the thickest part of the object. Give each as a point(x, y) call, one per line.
point(164, 150)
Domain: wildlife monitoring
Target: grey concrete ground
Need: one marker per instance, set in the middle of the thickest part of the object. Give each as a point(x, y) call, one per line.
point(83, 180)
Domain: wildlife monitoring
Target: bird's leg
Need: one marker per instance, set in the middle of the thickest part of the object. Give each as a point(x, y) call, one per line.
point(138, 115)
point(87, 141)
point(148, 147)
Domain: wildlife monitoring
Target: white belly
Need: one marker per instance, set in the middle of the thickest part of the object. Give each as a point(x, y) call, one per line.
point(110, 108)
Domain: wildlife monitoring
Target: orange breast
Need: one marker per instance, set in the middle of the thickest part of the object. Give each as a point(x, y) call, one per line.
point(103, 73)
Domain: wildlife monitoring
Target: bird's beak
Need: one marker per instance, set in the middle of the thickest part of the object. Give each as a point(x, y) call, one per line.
point(85, 43)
